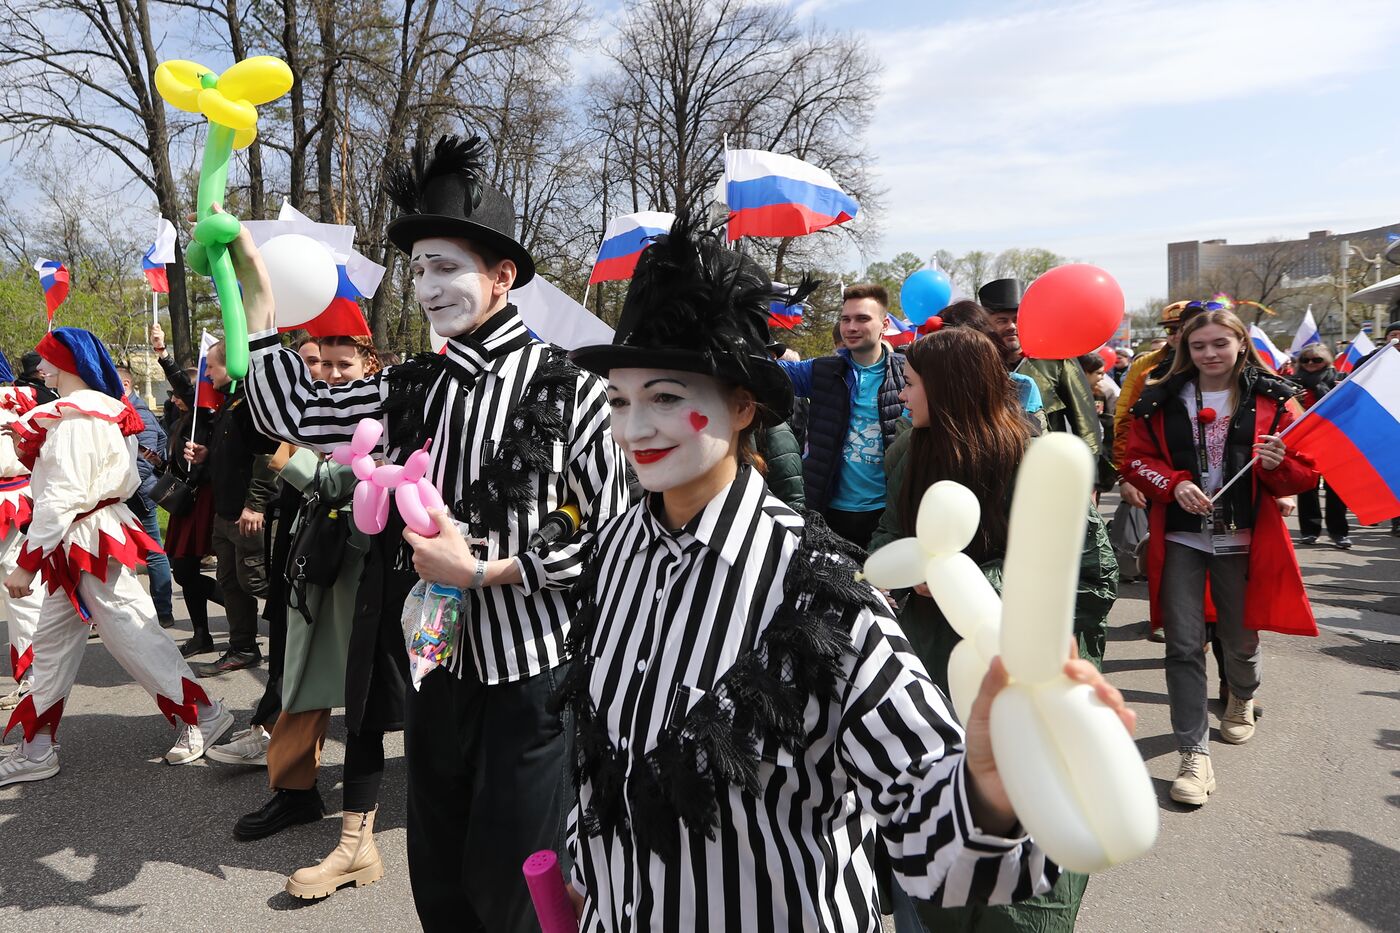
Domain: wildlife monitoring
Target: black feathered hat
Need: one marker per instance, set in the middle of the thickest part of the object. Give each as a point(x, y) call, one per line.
point(446, 194)
point(696, 306)
point(1000, 295)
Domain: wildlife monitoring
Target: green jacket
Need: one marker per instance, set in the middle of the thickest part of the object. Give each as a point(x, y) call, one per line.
point(778, 447)
point(1068, 400)
point(929, 633)
point(313, 672)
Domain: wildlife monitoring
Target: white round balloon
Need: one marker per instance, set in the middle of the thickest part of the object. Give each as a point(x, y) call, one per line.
point(303, 275)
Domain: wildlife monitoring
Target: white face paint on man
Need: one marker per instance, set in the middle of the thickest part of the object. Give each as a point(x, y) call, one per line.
point(450, 283)
point(674, 426)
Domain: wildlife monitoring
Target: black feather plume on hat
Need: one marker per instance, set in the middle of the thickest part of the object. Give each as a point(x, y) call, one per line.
point(695, 284)
point(452, 155)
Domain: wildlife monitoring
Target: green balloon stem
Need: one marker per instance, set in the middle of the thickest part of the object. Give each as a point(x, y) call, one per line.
point(213, 185)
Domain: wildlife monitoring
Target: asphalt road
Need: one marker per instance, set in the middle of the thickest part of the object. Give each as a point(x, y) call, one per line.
point(1303, 833)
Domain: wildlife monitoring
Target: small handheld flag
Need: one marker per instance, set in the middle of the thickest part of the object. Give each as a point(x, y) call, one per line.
point(162, 251)
point(1357, 350)
point(205, 395)
point(624, 241)
point(780, 313)
point(769, 194)
point(1353, 438)
point(1271, 354)
point(53, 275)
point(1307, 333)
point(897, 332)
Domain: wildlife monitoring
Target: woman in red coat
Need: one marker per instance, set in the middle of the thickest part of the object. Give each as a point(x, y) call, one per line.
point(1217, 408)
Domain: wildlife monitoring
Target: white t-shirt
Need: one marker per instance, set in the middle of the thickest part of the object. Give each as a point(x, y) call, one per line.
point(1216, 433)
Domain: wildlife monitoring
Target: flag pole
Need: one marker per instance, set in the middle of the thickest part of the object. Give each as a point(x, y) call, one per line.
point(1255, 459)
point(155, 321)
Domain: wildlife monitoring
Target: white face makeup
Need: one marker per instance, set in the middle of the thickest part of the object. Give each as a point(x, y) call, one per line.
point(674, 426)
point(450, 284)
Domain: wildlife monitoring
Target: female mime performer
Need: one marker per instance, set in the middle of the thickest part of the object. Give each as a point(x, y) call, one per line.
point(748, 714)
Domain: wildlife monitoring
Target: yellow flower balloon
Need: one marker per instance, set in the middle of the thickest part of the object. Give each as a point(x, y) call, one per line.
point(228, 99)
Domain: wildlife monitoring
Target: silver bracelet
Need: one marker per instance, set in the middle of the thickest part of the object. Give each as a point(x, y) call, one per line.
point(480, 576)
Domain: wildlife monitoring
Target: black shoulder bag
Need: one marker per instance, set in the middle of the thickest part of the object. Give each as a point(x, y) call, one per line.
point(318, 547)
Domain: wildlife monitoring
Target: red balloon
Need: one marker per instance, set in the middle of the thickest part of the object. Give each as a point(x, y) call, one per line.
point(1110, 359)
point(1069, 311)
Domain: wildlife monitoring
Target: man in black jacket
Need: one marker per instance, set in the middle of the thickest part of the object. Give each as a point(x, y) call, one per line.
point(242, 482)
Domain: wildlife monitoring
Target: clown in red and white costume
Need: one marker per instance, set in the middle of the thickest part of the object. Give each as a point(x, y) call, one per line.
point(84, 543)
point(21, 614)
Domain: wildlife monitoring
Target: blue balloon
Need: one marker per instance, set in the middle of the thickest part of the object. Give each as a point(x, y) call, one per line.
point(924, 294)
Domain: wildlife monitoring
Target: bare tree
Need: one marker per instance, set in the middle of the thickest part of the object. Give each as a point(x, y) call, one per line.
point(92, 80)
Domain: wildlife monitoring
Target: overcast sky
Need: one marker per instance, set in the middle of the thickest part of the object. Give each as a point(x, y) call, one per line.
point(1104, 130)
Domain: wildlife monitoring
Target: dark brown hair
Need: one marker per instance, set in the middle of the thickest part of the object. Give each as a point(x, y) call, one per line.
point(968, 313)
point(868, 290)
point(363, 345)
point(976, 434)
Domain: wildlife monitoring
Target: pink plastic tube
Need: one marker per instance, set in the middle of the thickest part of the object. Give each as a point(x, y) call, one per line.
point(547, 890)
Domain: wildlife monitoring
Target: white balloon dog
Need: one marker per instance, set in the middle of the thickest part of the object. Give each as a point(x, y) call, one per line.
point(1073, 774)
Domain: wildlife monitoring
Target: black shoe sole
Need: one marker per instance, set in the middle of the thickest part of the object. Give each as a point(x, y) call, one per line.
point(252, 834)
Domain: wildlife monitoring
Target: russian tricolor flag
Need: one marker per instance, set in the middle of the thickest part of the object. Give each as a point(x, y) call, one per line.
point(897, 332)
point(1353, 438)
point(1271, 354)
point(1357, 351)
point(205, 395)
point(1307, 334)
point(624, 241)
point(777, 195)
point(780, 313)
point(342, 316)
point(161, 252)
point(53, 275)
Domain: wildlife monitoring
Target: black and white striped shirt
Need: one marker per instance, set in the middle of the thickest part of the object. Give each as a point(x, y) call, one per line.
point(513, 631)
point(675, 609)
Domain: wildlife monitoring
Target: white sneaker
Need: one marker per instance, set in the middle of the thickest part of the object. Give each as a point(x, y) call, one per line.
point(18, 767)
point(193, 741)
point(15, 696)
point(248, 747)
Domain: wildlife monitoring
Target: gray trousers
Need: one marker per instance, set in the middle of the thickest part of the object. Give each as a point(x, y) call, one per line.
point(1183, 591)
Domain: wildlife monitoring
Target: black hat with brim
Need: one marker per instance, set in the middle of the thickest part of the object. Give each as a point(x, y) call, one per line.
point(1000, 295)
point(695, 306)
point(445, 195)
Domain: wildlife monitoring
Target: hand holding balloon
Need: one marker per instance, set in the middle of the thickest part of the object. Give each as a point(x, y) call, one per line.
point(1059, 753)
point(228, 101)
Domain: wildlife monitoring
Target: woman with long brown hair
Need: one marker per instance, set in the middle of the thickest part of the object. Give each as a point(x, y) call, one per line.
point(968, 427)
point(1217, 413)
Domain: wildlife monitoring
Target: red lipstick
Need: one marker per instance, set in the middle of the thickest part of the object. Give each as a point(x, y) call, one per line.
point(650, 456)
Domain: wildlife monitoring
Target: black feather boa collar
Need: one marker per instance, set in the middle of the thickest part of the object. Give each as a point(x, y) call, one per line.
point(758, 703)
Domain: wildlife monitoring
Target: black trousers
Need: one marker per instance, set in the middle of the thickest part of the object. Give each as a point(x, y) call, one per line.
point(489, 784)
point(1310, 513)
point(856, 527)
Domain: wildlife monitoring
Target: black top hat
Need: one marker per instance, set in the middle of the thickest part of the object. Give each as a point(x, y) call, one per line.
point(696, 306)
point(447, 195)
point(1000, 295)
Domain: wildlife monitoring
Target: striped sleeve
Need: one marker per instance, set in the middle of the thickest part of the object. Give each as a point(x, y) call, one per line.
point(287, 405)
point(597, 485)
point(899, 740)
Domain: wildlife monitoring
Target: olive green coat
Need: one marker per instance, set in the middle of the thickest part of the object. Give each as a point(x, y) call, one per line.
point(313, 673)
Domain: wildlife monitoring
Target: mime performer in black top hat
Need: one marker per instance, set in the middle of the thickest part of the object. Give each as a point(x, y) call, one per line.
point(517, 432)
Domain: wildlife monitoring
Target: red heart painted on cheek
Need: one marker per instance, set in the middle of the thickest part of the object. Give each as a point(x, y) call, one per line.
point(698, 421)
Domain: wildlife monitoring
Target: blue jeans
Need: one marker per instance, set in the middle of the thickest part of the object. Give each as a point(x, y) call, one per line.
point(158, 565)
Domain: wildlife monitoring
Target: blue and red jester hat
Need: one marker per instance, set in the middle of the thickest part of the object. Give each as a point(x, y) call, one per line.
point(82, 354)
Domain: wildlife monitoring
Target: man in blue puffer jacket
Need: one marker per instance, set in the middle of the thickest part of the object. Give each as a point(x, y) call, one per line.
point(854, 410)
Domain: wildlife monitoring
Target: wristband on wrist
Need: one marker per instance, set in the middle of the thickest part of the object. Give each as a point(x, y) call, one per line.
point(480, 576)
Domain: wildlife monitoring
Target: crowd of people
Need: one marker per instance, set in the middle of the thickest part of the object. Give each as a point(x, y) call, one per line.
point(689, 698)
